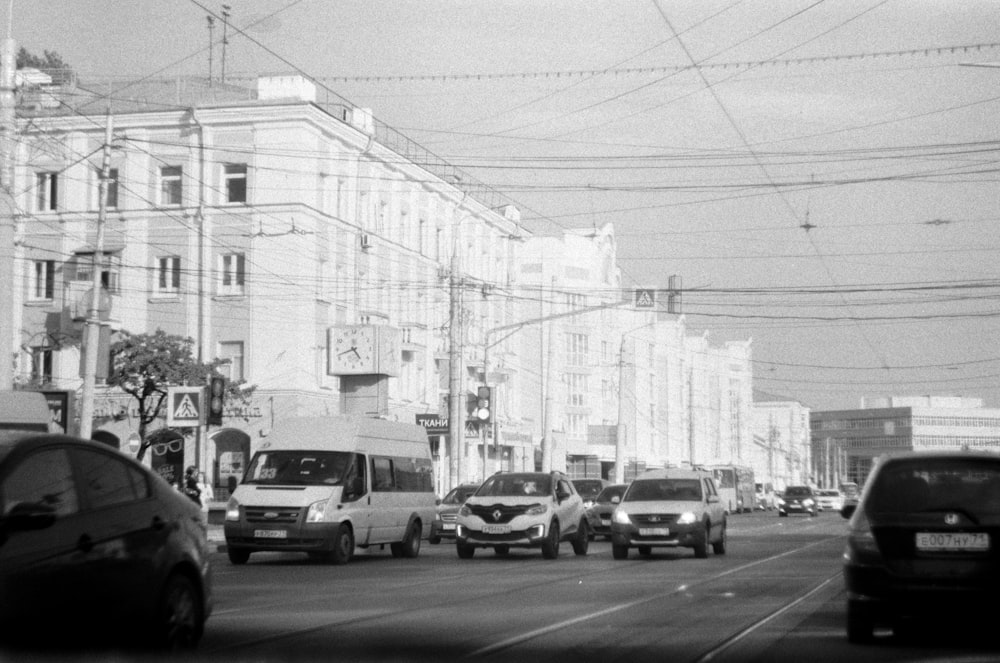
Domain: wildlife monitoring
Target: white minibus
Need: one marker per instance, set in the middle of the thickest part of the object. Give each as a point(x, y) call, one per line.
point(323, 485)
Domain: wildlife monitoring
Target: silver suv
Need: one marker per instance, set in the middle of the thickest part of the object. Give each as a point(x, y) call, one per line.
point(669, 508)
point(523, 510)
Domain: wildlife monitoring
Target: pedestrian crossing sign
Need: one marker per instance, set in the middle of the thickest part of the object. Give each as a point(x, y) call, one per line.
point(645, 298)
point(184, 406)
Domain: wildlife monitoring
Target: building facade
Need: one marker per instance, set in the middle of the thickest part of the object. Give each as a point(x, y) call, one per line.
point(846, 442)
point(782, 449)
point(261, 223)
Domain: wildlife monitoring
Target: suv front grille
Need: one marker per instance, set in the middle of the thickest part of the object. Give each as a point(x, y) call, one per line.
point(653, 519)
point(498, 513)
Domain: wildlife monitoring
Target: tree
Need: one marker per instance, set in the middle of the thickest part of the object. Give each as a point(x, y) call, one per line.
point(51, 63)
point(145, 365)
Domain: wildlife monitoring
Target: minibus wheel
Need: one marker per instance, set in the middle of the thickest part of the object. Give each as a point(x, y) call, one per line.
point(343, 545)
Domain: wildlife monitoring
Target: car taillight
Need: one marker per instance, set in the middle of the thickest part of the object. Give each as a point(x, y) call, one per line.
point(861, 545)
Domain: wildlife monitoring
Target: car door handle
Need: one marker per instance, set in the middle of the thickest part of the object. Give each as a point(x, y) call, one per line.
point(85, 543)
point(158, 523)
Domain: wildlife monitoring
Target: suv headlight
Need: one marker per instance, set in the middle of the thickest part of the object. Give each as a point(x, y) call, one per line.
point(686, 518)
point(620, 517)
point(536, 510)
point(233, 510)
point(807, 502)
point(316, 512)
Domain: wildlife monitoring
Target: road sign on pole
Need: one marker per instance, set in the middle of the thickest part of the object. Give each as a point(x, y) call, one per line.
point(645, 298)
point(184, 406)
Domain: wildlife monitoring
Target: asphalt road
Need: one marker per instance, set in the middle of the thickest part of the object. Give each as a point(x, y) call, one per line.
point(776, 596)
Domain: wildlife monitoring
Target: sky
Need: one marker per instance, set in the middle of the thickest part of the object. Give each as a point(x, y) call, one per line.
point(822, 175)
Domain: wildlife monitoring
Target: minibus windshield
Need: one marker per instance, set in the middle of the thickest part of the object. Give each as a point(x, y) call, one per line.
point(298, 468)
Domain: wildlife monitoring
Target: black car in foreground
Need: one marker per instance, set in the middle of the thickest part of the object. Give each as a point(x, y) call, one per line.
point(924, 542)
point(96, 547)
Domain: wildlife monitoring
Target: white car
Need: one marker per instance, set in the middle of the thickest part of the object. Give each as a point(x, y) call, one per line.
point(829, 499)
point(522, 510)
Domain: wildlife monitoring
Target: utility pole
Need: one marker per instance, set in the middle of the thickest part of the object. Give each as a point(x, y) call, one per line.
point(92, 334)
point(621, 431)
point(225, 38)
point(211, 47)
point(456, 409)
point(7, 222)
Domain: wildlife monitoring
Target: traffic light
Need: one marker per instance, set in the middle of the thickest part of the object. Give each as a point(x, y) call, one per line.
point(216, 399)
point(484, 405)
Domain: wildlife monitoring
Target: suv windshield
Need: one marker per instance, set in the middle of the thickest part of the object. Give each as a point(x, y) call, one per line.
point(509, 485)
point(925, 485)
point(647, 490)
point(301, 468)
point(798, 491)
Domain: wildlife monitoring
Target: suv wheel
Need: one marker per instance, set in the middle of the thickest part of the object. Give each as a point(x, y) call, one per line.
point(583, 537)
point(550, 547)
point(701, 545)
point(719, 547)
point(465, 551)
point(619, 551)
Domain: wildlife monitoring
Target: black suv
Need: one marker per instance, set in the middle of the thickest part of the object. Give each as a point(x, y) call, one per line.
point(523, 510)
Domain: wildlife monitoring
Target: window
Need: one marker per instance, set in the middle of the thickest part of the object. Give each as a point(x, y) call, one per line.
point(112, 191)
point(48, 191)
point(108, 481)
point(43, 278)
point(168, 277)
point(577, 389)
point(236, 182)
point(42, 479)
point(231, 352)
point(41, 364)
point(170, 185)
point(232, 271)
point(382, 479)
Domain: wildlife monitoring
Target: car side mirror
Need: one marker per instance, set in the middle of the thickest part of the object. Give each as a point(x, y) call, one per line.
point(28, 516)
point(562, 494)
point(437, 501)
point(616, 500)
point(848, 510)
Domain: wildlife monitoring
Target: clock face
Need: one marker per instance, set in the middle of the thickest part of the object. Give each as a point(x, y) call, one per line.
point(354, 350)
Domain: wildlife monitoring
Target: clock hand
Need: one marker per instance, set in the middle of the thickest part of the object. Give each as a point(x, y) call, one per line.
point(348, 350)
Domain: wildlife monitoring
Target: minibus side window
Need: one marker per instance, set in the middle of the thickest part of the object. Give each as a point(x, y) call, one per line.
point(354, 479)
point(382, 479)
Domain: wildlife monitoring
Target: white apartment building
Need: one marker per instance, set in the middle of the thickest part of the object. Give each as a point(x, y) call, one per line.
point(612, 382)
point(254, 222)
point(781, 450)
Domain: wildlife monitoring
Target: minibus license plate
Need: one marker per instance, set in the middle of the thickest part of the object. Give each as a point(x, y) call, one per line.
point(496, 529)
point(270, 534)
point(448, 526)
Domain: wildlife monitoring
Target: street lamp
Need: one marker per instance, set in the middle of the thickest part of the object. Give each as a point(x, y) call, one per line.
point(622, 429)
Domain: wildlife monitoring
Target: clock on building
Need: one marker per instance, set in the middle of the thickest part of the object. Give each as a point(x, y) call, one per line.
point(353, 350)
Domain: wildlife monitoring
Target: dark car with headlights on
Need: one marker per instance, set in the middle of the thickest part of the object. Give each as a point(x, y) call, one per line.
point(94, 545)
point(599, 514)
point(924, 542)
point(523, 510)
point(797, 499)
point(443, 525)
point(670, 508)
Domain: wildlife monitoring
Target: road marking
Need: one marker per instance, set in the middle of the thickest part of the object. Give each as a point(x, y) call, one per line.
point(545, 630)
